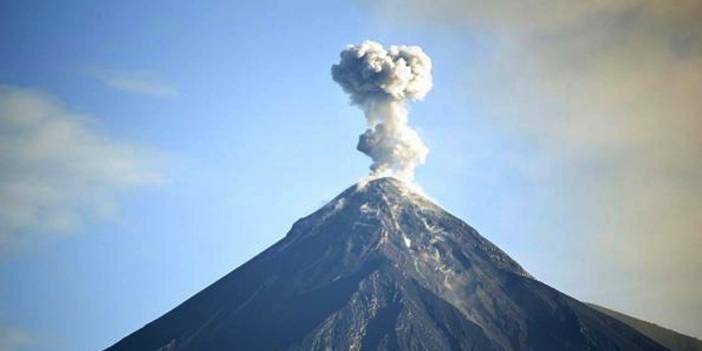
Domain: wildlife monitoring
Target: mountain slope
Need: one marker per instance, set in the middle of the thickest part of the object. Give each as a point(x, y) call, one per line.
point(666, 337)
point(383, 268)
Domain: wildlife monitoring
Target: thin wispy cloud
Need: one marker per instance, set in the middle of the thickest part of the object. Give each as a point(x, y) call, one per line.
point(609, 91)
point(59, 170)
point(13, 339)
point(140, 82)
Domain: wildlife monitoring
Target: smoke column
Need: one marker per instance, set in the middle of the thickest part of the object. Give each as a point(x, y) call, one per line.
point(381, 82)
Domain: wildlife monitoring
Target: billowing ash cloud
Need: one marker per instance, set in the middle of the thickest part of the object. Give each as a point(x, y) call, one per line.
point(381, 81)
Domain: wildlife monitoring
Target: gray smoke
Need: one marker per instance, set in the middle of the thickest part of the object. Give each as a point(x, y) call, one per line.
point(381, 82)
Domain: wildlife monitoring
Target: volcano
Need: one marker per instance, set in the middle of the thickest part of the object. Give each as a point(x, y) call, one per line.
point(381, 267)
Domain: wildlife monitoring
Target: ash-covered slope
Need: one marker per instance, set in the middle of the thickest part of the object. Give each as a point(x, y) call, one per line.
point(382, 268)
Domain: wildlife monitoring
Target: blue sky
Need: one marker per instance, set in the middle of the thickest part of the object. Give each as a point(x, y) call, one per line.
point(206, 130)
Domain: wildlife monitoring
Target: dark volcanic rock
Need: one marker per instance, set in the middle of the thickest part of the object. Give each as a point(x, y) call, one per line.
point(383, 268)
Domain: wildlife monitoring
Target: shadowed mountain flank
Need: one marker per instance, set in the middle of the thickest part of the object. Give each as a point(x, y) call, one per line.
point(666, 337)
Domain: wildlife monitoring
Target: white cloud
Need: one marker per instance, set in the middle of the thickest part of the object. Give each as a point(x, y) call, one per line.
point(58, 169)
point(139, 82)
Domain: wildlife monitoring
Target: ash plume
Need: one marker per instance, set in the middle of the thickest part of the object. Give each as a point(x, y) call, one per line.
point(381, 81)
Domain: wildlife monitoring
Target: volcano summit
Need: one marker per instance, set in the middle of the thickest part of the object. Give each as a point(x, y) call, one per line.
point(381, 267)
